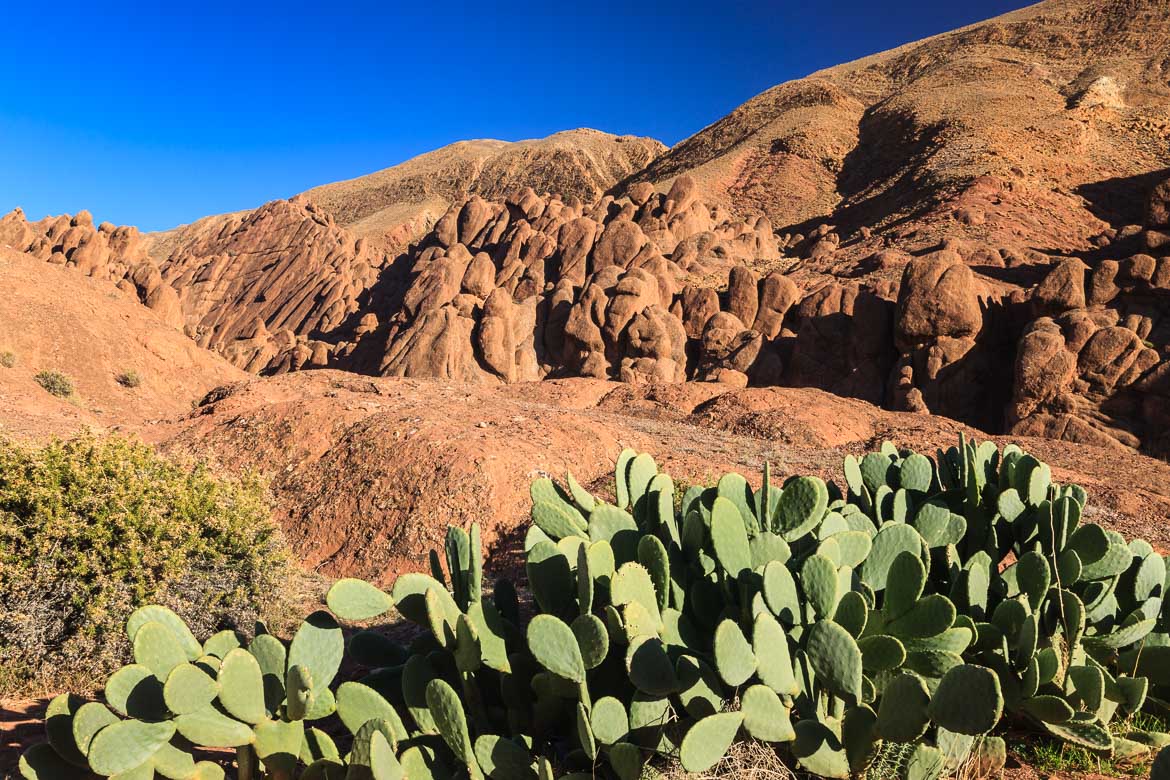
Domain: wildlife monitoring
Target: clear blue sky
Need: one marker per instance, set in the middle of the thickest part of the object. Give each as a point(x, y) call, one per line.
point(155, 117)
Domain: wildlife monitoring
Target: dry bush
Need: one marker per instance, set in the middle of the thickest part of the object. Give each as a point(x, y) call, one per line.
point(94, 527)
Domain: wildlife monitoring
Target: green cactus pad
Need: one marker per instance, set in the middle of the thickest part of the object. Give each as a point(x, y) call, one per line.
point(211, 728)
point(903, 713)
point(242, 687)
point(767, 547)
point(447, 711)
point(836, 659)
point(859, 736)
point(888, 544)
point(818, 579)
point(126, 745)
point(1083, 729)
point(157, 648)
point(557, 520)
point(925, 763)
point(881, 653)
point(135, 692)
point(189, 689)
point(357, 600)
point(581, 497)
point(593, 639)
point(734, 658)
point(818, 749)
point(502, 759)
point(708, 740)
point(609, 721)
point(553, 644)
point(780, 593)
point(855, 547)
point(700, 688)
point(89, 719)
point(968, 700)
point(41, 762)
point(802, 504)
point(357, 704)
point(318, 645)
point(278, 745)
point(220, 643)
point(852, 613)
point(652, 555)
point(774, 660)
point(916, 473)
point(729, 537)
point(929, 616)
point(764, 716)
point(633, 584)
point(905, 581)
point(153, 613)
point(650, 668)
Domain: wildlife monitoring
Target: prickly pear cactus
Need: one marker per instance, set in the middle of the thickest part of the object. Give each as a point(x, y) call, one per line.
point(908, 609)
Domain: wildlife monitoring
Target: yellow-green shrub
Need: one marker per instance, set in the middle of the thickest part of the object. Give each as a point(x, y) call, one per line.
point(94, 527)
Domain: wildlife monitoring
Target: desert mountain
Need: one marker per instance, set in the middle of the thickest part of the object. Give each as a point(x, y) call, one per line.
point(127, 364)
point(1031, 130)
point(970, 226)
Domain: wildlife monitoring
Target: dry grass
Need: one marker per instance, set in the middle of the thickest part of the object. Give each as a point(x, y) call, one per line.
point(749, 759)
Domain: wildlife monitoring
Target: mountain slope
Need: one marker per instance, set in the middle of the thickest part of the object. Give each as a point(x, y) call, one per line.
point(397, 204)
point(575, 163)
point(974, 133)
point(53, 318)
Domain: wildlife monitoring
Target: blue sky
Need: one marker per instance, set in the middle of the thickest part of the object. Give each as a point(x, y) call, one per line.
point(153, 116)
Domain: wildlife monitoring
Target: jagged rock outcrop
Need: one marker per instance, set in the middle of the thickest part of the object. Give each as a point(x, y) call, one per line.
point(117, 254)
point(1095, 370)
point(537, 286)
point(271, 289)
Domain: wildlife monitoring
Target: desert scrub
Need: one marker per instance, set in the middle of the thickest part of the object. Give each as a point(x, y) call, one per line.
point(7, 358)
point(92, 528)
point(55, 383)
point(129, 379)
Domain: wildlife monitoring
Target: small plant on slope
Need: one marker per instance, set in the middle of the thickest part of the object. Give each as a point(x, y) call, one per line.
point(55, 383)
point(129, 379)
point(886, 625)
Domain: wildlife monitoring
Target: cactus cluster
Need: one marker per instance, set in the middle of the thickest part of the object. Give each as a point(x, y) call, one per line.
point(918, 604)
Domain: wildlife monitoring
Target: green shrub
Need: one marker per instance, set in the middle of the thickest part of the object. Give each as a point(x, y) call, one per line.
point(7, 358)
point(92, 528)
point(56, 383)
point(884, 626)
point(129, 379)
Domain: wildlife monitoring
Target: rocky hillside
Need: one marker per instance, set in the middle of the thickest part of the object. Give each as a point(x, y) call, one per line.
point(574, 164)
point(126, 365)
point(1029, 130)
point(396, 205)
point(368, 472)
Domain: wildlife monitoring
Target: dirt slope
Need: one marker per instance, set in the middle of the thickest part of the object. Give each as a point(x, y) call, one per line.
point(54, 318)
point(1018, 131)
point(369, 472)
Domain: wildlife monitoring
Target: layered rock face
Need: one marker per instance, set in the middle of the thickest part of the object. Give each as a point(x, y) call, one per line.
point(264, 288)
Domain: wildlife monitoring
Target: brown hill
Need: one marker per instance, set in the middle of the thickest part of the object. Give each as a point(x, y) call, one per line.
point(1027, 130)
point(104, 340)
point(573, 164)
point(397, 204)
point(368, 472)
